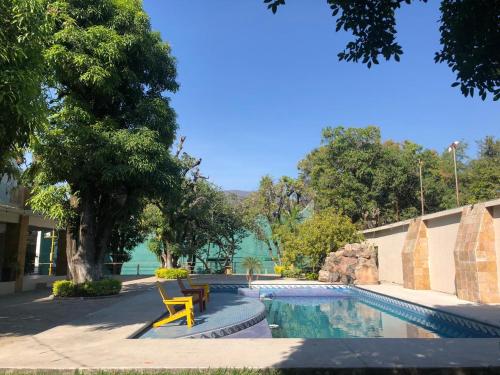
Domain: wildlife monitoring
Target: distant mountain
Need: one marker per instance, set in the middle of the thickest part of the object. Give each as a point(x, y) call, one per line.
point(240, 194)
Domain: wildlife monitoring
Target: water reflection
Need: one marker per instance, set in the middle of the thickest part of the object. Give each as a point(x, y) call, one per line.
point(344, 317)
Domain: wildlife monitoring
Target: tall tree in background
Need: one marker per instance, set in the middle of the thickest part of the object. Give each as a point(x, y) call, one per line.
point(273, 205)
point(371, 182)
point(469, 37)
point(111, 126)
point(482, 179)
point(24, 33)
point(342, 171)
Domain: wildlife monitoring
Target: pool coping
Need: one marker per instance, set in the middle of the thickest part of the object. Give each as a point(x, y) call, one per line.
point(450, 317)
point(435, 310)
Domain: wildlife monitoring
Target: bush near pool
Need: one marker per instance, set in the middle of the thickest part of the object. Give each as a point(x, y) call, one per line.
point(171, 273)
point(106, 287)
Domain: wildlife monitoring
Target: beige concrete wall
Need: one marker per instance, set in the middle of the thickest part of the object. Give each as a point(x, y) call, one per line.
point(390, 243)
point(442, 233)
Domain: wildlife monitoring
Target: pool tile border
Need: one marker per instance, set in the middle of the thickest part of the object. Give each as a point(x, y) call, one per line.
point(414, 312)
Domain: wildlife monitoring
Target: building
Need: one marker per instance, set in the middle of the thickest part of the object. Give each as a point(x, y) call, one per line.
point(27, 242)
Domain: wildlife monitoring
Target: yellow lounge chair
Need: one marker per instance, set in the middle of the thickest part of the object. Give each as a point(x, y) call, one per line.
point(174, 314)
point(205, 287)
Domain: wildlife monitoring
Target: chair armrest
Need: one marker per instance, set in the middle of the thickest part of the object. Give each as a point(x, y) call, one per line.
point(180, 299)
point(172, 302)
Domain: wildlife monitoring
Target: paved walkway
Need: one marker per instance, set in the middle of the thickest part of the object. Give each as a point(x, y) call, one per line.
point(93, 334)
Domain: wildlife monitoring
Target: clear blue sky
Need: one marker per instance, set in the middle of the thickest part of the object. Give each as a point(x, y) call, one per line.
point(257, 88)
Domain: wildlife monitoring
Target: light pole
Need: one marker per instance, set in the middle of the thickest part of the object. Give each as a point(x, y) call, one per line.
point(453, 148)
point(420, 163)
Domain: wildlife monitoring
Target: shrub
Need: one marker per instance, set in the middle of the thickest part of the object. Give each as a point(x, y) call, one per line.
point(294, 273)
point(171, 273)
point(106, 287)
point(279, 269)
point(311, 276)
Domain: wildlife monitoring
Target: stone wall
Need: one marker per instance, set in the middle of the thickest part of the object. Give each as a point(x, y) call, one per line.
point(351, 264)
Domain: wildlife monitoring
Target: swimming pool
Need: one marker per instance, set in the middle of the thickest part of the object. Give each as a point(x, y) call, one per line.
point(316, 311)
point(350, 312)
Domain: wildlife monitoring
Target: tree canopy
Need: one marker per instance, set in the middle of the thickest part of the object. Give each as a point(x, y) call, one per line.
point(469, 37)
point(111, 125)
point(24, 30)
point(376, 183)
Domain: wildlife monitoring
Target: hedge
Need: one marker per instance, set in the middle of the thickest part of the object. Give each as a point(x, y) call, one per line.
point(106, 287)
point(171, 273)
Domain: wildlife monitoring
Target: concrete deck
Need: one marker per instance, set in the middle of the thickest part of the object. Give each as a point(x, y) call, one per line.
point(39, 333)
point(226, 313)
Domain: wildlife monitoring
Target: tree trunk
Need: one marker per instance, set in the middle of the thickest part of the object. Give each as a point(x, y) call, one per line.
point(278, 252)
point(168, 259)
point(88, 249)
point(205, 264)
point(83, 263)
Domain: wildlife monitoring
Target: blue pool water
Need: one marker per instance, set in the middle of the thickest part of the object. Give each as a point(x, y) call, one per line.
point(327, 317)
point(354, 312)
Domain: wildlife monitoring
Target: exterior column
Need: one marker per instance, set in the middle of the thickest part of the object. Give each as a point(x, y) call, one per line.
point(415, 256)
point(22, 242)
point(476, 277)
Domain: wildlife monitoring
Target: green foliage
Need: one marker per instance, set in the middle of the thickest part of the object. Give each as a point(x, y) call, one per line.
point(482, 179)
point(311, 241)
point(469, 37)
point(196, 215)
point(111, 125)
point(106, 287)
point(278, 270)
point(252, 265)
point(24, 32)
point(171, 273)
point(273, 209)
point(376, 183)
point(292, 273)
point(371, 182)
point(311, 276)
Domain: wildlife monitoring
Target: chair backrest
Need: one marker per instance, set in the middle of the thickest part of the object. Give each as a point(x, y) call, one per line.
point(190, 282)
point(164, 296)
point(181, 284)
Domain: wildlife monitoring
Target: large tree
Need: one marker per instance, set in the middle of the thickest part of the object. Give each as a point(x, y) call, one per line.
point(276, 204)
point(482, 179)
point(469, 37)
point(24, 31)
point(111, 126)
point(371, 181)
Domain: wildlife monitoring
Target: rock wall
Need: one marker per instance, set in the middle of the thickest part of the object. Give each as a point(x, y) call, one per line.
point(352, 264)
